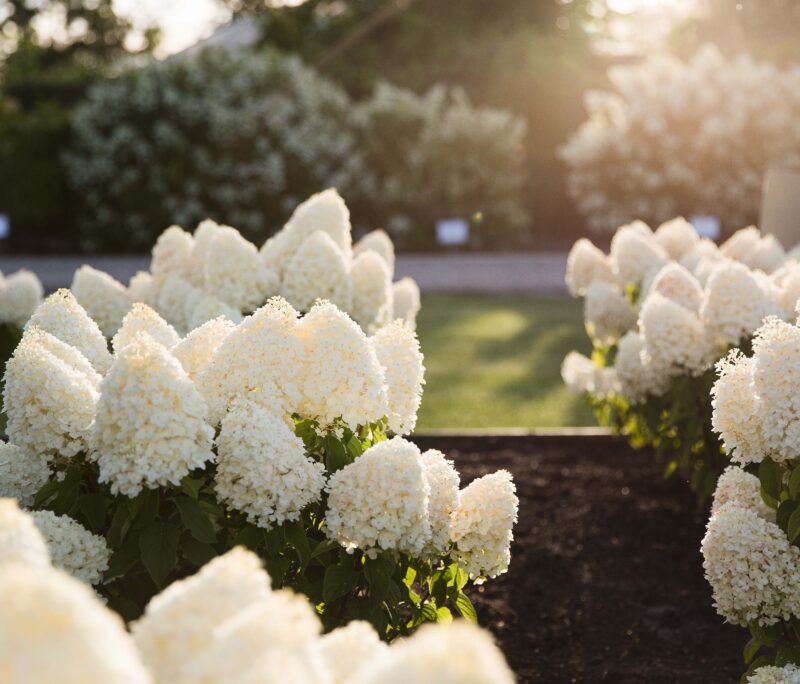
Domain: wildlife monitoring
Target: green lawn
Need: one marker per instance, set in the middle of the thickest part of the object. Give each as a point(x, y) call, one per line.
point(495, 361)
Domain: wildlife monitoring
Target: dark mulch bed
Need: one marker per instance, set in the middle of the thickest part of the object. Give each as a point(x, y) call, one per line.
point(606, 581)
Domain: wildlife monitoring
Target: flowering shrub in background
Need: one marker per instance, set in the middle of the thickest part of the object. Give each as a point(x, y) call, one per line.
point(218, 273)
point(752, 545)
point(661, 309)
point(143, 463)
point(225, 623)
point(691, 137)
point(242, 138)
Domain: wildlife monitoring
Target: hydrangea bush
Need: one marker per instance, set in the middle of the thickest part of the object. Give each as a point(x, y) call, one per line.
point(194, 278)
point(144, 462)
point(661, 309)
point(752, 545)
point(224, 623)
point(692, 137)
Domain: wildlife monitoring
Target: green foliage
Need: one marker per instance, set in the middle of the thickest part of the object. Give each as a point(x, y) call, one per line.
point(677, 425)
point(165, 534)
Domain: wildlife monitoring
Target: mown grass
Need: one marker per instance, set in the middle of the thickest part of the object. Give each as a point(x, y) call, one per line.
point(495, 361)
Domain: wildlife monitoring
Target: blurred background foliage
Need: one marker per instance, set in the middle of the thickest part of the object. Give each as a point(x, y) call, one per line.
point(470, 62)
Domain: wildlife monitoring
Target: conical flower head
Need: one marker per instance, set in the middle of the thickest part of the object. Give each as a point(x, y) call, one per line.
point(341, 376)
point(677, 237)
point(324, 211)
point(22, 473)
point(586, 264)
point(406, 301)
point(62, 316)
point(260, 359)
point(676, 283)
point(372, 291)
point(53, 628)
point(20, 540)
point(50, 395)
point(105, 299)
point(380, 242)
point(172, 253)
point(20, 294)
point(142, 319)
point(317, 270)
point(443, 480)
point(607, 314)
point(151, 427)
point(397, 348)
point(197, 349)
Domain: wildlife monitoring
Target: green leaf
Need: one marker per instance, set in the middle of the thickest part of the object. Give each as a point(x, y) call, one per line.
point(429, 612)
point(339, 580)
point(794, 483)
point(123, 559)
point(196, 520)
point(125, 607)
point(379, 574)
point(249, 536)
point(47, 492)
point(793, 526)
point(462, 578)
point(144, 508)
point(787, 652)
point(766, 635)
point(354, 447)
point(94, 507)
point(324, 546)
point(443, 615)
point(120, 525)
point(771, 476)
point(158, 544)
point(750, 650)
point(191, 486)
point(68, 493)
point(465, 608)
point(197, 552)
point(336, 456)
point(297, 539)
point(785, 510)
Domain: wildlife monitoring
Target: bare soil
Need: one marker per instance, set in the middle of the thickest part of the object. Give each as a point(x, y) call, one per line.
point(606, 580)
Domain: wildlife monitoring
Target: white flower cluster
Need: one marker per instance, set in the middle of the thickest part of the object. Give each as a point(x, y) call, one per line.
point(769, 674)
point(20, 294)
point(756, 411)
point(20, 539)
point(394, 497)
point(738, 487)
point(672, 304)
point(22, 474)
point(72, 547)
point(688, 137)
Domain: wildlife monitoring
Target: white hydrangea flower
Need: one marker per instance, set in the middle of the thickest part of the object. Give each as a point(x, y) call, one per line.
point(53, 628)
point(72, 547)
point(317, 270)
point(254, 645)
point(22, 473)
point(380, 242)
point(751, 567)
point(372, 291)
point(346, 650)
point(341, 375)
point(675, 338)
point(234, 273)
point(634, 253)
point(607, 313)
point(676, 283)
point(739, 245)
point(577, 372)
point(20, 540)
point(50, 395)
point(678, 237)
point(197, 348)
point(702, 249)
point(586, 264)
point(738, 487)
point(735, 304)
point(176, 626)
point(483, 525)
point(776, 373)
point(736, 414)
point(397, 348)
point(427, 658)
point(201, 307)
point(172, 253)
point(787, 281)
point(170, 301)
point(380, 501)
point(20, 294)
point(770, 674)
point(261, 359)
point(444, 481)
point(147, 392)
point(324, 211)
point(406, 301)
point(105, 299)
point(262, 467)
point(142, 287)
point(768, 255)
point(142, 319)
point(62, 316)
